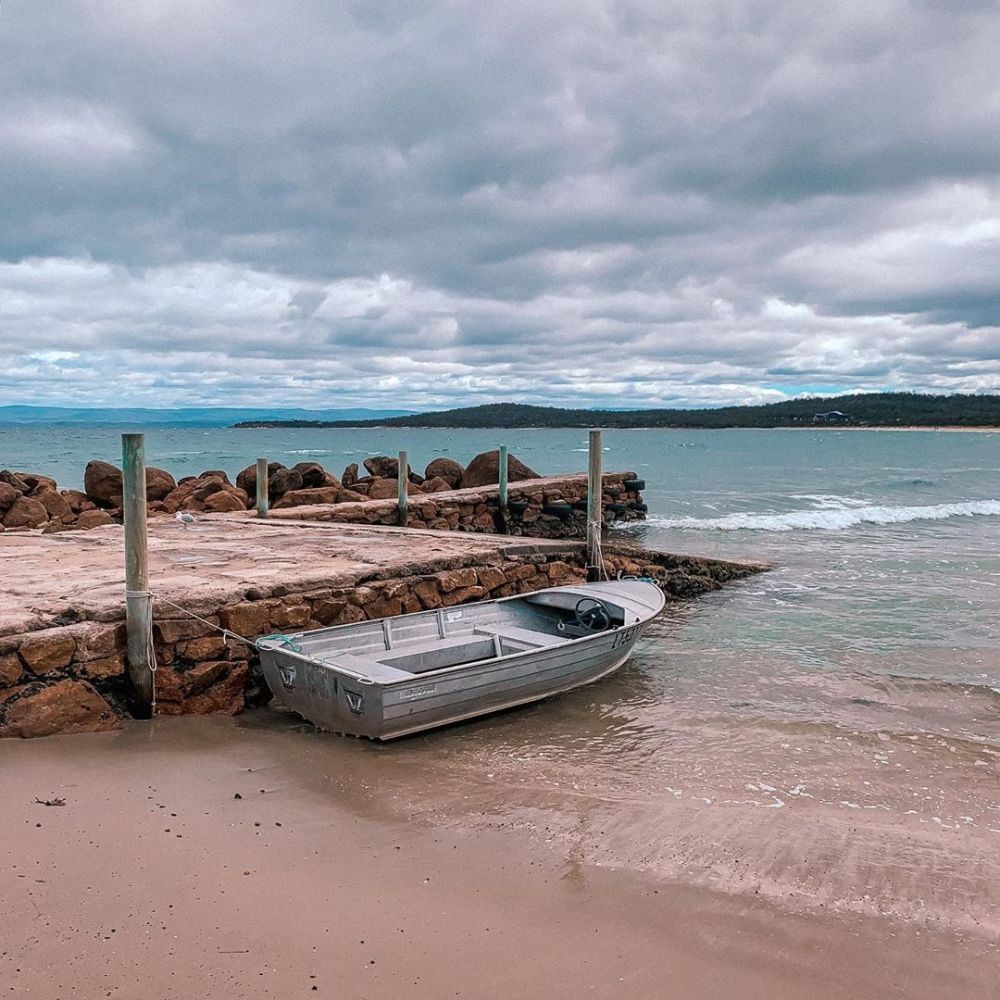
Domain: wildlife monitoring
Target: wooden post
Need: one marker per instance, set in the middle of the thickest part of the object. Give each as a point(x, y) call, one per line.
point(262, 487)
point(401, 481)
point(502, 497)
point(595, 487)
point(138, 606)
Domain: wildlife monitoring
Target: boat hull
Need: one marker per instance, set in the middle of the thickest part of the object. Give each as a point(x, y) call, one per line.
point(344, 701)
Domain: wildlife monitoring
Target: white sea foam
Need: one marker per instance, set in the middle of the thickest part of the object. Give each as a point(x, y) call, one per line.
point(832, 518)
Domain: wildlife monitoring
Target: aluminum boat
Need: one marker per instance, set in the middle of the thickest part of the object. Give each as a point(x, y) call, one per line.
point(389, 677)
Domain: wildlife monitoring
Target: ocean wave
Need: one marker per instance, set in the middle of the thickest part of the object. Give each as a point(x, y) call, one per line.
point(831, 518)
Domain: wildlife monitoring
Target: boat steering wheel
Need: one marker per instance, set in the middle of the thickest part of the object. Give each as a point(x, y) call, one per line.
point(596, 616)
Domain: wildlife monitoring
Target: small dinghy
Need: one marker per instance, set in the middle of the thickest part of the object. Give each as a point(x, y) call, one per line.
point(394, 676)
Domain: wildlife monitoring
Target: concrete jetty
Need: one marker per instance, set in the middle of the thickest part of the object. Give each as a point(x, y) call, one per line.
point(62, 635)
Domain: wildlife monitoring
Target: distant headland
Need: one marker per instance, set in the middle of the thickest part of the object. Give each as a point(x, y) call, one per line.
point(882, 409)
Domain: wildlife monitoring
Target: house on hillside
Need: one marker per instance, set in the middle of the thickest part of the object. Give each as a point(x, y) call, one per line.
point(832, 417)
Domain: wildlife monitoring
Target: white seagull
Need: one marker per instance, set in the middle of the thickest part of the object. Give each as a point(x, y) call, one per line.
point(185, 518)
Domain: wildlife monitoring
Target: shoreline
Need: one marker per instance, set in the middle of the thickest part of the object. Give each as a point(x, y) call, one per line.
point(307, 885)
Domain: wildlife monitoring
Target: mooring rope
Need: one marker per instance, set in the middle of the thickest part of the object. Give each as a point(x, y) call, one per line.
point(226, 633)
point(594, 547)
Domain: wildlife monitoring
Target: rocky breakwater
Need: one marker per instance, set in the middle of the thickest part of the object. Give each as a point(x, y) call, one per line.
point(463, 498)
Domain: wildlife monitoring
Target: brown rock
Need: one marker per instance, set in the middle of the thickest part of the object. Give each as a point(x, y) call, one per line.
point(216, 474)
point(107, 666)
point(224, 502)
point(55, 526)
point(490, 577)
point(25, 512)
point(47, 651)
point(290, 616)
point(314, 476)
point(283, 481)
point(159, 483)
point(246, 479)
point(36, 482)
point(383, 489)
point(302, 498)
point(102, 483)
point(447, 469)
point(93, 519)
point(383, 466)
point(248, 619)
point(77, 501)
point(10, 669)
point(436, 485)
point(56, 504)
point(484, 470)
point(13, 479)
point(67, 707)
point(557, 570)
point(350, 476)
point(452, 579)
point(94, 641)
point(207, 487)
point(429, 593)
point(336, 612)
point(209, 647)
point(8, 495)
point(350, 496)
point(464, 594)
point(203, 690)
point(177, 630)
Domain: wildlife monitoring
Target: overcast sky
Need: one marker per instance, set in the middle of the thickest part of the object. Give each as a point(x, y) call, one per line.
point(402, 203)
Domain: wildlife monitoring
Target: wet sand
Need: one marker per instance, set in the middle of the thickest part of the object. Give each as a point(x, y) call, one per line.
point(154, 880)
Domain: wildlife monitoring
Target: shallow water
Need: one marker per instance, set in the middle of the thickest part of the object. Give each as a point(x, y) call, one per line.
point(827, 734)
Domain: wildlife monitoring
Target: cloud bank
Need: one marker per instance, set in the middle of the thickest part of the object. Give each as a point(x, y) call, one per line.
point(423, 204)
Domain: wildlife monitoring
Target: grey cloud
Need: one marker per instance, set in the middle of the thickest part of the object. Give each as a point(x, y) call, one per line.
point(566, 202)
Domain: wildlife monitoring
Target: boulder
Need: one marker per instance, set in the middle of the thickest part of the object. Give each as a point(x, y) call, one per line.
point(93, 519)
point(484, 470)
point(36, 482)
point(67, 707)
point(8, 495)
point(388, 489)
point(206, 487)
point(314, 476)
point(382, 466)
point(102, 483)
point(350, 476)
point(10, 669)
point(25, 512)
point(283, 481)
point(246, 479)
point(436, 485)
point(216, 474)
point(159, 483)
point(77, 501)
point(350, 496)
point(447, 469)
point(302, 498)
point(47, 651)
point(56, 504)
point(13, 479)
point(224, 502)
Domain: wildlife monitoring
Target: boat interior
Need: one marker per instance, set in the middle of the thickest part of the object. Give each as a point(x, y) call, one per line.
point(392, 648)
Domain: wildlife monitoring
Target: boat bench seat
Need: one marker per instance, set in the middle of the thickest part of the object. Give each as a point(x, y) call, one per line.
point(522, 635)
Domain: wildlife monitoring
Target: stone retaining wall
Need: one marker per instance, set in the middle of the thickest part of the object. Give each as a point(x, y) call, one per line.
point(554, 507)
point(70, 678)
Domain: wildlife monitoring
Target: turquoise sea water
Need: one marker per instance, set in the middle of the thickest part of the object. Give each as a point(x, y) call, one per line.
point(848, 702)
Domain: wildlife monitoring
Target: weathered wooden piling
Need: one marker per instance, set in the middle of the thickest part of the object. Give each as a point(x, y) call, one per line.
point(502, 493)
point(138, 606)
point(262, 487)
point(402, 479)
point(595, 485)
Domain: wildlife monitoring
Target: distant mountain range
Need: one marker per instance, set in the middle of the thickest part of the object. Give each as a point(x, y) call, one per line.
point(207, 416)
point(882, 409)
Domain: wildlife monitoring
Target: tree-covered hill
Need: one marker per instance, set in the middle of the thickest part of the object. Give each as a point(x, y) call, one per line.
point(883, 409)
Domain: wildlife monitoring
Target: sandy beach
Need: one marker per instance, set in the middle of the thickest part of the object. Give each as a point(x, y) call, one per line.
point(198, 857)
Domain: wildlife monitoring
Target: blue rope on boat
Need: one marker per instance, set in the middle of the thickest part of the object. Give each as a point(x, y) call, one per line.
point(285, 640)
